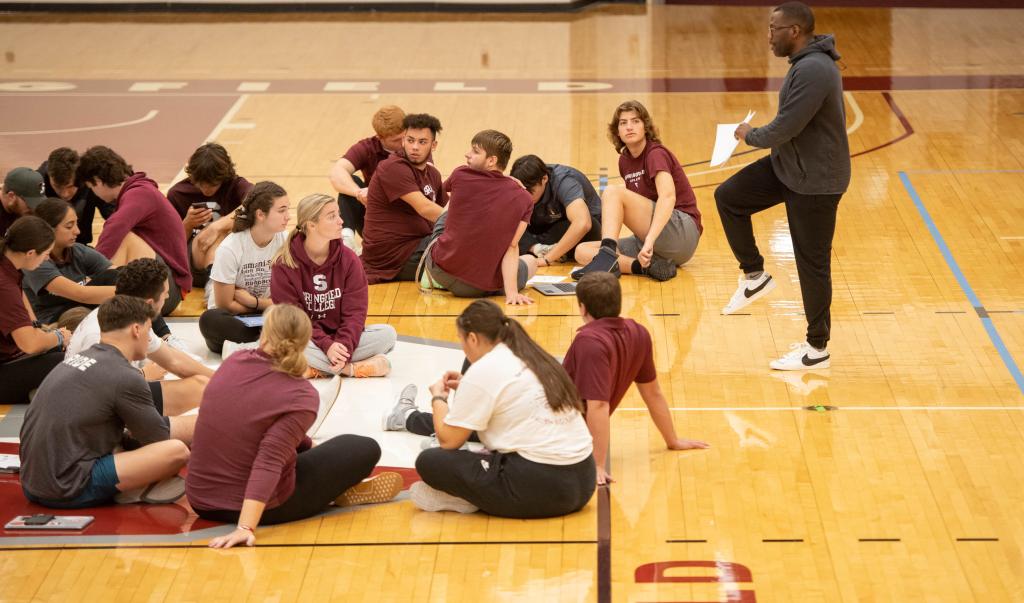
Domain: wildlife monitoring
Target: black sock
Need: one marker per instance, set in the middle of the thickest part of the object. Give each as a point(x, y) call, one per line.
point(610, 244)
point(636, 268)
point(754, 275)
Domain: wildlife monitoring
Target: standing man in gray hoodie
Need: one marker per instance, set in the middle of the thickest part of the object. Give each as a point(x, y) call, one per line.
point(808, 170)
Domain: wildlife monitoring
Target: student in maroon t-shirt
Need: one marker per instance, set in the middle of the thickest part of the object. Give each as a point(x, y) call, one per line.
point(656, 203)
point(252, 461)
point(144, 225)
point(476, 247)
point(609, 354)
point(405, 199)
point(363, 157)
point(27, 353)
point(206, 200)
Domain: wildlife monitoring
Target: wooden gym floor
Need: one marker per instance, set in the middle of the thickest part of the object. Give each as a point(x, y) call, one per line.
point(903, 481)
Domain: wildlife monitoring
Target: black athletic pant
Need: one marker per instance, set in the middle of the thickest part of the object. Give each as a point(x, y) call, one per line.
point(21, 376)
point(353, 213)
point(553, 233)
point(507, 485)
point(322, 474)
point(812, 223)
point(219, 325)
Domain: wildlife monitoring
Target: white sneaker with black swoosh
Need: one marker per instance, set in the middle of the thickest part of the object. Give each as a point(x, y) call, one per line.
point(749, 291)
point(802, 357)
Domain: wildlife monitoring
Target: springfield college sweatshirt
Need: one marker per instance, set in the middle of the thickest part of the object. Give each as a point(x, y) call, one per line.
point(334, 294)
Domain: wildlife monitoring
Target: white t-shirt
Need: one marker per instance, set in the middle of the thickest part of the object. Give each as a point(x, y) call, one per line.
point(502, 400)
point(240, 262)
point(88, 334)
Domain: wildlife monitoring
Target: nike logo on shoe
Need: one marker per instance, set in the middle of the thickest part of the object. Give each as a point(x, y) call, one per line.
point(808, 361)
point(748, 293)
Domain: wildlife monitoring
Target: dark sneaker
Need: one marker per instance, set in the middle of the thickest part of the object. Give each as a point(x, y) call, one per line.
point(661, 269)
point(606, 260)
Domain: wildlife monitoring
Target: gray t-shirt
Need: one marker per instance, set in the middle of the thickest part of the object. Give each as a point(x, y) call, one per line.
point(78, 415)
point(565, 185)
point(83, 262)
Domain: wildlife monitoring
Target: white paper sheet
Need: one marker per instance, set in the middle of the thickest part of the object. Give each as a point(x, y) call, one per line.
point(545, 279)
point(726, 142)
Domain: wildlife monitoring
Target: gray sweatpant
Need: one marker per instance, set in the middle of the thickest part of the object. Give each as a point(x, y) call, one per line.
point(376, 339)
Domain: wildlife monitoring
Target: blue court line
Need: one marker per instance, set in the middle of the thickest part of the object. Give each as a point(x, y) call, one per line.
point(947, 255)
point(963, 172)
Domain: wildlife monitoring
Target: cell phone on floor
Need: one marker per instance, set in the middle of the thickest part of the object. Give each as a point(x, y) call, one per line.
point(43, 521)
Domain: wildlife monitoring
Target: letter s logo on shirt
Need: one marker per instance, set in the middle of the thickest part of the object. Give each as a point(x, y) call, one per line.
point(320, 282)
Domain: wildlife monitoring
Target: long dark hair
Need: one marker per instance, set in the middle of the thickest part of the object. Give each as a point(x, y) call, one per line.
point(486, 319)
point(261, 196)
point(28, 233)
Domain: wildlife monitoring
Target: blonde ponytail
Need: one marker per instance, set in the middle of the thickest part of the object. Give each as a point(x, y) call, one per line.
point(309, 210)
point(286, 333)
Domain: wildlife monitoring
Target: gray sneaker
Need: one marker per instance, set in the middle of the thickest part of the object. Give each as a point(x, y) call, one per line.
point(540, 249)
point(431, 499)
point(395, 420)
point(158, 493)
point(661, 269)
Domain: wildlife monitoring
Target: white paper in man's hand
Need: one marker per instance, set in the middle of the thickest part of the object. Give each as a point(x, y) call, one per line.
point(726, 142)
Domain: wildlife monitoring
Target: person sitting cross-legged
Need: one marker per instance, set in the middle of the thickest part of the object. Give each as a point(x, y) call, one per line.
point(70, 440)
point(252, 461)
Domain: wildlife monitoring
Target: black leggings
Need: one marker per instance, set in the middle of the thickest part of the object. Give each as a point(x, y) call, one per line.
point(506, 484)
point(219, 325)
point(21, 376)
point(322, 474)
point(353, 213)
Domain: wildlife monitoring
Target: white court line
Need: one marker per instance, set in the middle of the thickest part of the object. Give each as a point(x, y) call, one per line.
point(871, 408)
point(148, 116)
point(858, 120)
point(220, 127)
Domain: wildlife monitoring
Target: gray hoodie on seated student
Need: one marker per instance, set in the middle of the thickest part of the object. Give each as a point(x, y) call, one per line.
point(810, 151)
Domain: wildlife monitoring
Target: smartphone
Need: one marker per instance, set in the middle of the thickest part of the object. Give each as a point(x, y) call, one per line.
point(200, 205)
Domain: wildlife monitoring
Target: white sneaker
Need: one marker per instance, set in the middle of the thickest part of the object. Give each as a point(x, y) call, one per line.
point(801, 357)
point(176, 343)
point(432, 442)
point(749, 291)
point(432, 499)
point(348, 238)
point(230, 347)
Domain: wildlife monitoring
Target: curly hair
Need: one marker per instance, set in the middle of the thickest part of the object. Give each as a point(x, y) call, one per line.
point(143, 278)
point(650, 130)
point(210, 164)
point(419, 121)
point(103, 164)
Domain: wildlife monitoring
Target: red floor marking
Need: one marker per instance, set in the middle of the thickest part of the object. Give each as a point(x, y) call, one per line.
point(158, 147)
point(120, 520)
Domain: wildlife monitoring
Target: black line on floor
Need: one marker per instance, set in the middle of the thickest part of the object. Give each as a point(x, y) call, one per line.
point(670, 314)
point(770, 540)
point(85, 547)
point(950, 312)
point(877, 313)
point(1004, 311)
point(982, 539)
point(687, 541)
point(604, 545)
point(878, 540)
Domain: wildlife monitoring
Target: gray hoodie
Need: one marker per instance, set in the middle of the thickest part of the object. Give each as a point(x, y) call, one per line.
point(810, 152)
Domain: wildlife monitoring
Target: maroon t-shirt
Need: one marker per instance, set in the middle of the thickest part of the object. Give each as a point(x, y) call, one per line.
point(365, 155)
point(227, 198)
point(639, 173)
point(607, 356)
point(392, 228)
point(245, 446)
point(13, 314)
point(484, 211)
